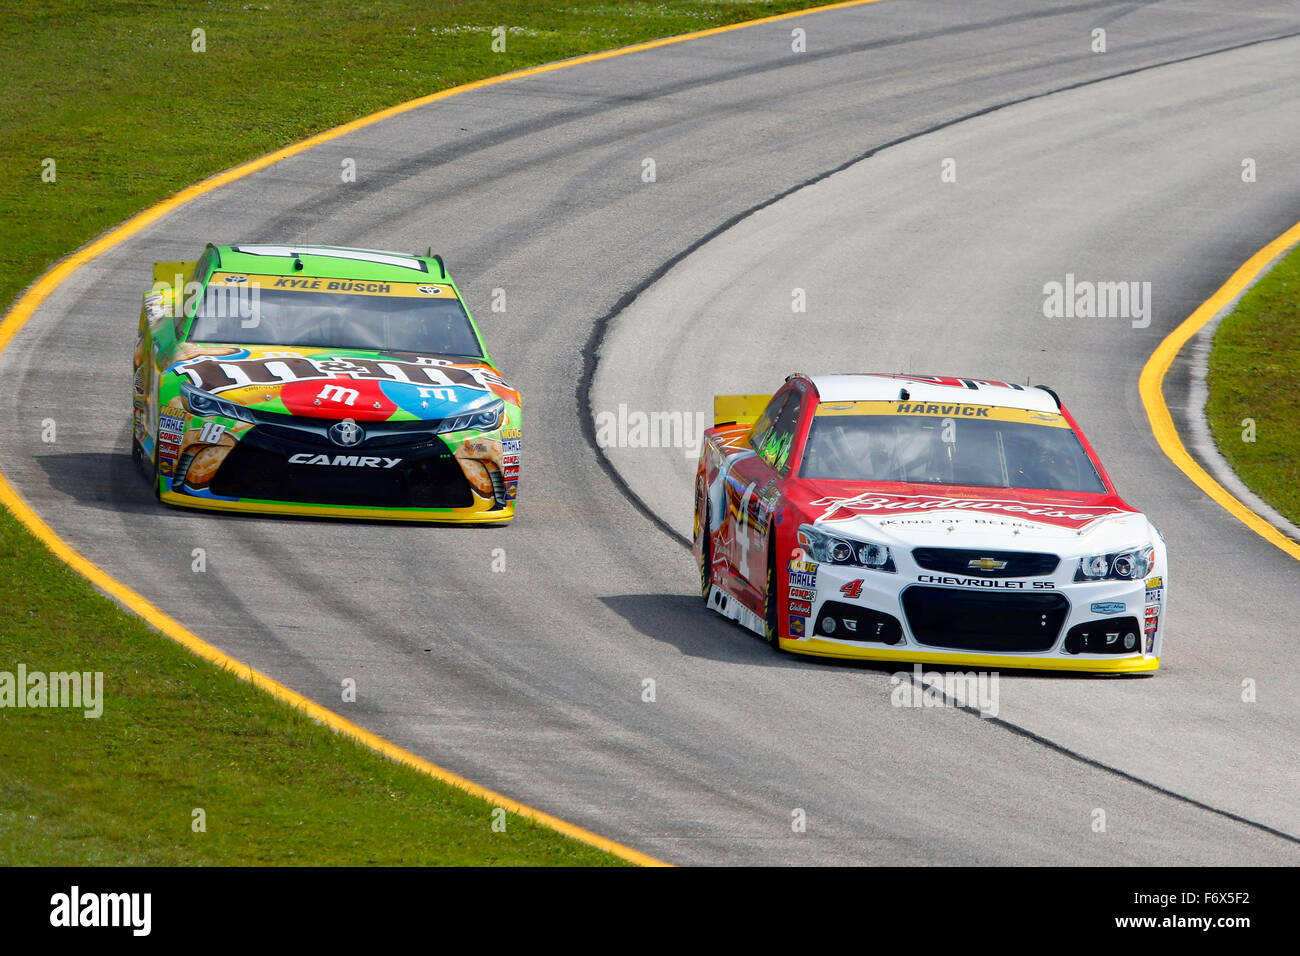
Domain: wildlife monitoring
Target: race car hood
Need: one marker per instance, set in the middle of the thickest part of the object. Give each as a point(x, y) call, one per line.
point(342, 383)
point(1016, 519)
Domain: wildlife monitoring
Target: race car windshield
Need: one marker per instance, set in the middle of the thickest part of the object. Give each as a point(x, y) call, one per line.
point(950, 451)
point(338, 320)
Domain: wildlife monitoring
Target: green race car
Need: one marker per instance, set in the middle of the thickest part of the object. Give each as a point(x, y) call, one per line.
point(320, 380)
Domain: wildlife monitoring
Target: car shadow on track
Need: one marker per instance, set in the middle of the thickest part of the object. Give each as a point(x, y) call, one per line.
point(682, 621)
point(109, 480)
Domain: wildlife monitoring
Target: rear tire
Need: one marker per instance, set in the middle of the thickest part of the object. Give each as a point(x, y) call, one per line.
point(706, 556)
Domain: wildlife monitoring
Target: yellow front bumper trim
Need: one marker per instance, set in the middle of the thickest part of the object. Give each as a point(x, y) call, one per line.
point(478, 513)
point(1122, 665)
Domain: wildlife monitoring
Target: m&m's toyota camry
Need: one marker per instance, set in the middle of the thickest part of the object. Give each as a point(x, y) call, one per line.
point(918, 518)
point(320, 380)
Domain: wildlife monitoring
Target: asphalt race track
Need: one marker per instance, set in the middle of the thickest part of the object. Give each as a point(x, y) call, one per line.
point(774, 170)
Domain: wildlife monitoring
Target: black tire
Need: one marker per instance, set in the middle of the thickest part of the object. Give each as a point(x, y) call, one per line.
point(770, 603)
point(706, 555)
point(148, 467)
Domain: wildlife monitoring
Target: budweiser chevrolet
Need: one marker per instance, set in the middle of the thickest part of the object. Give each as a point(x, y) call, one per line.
point(952, 521)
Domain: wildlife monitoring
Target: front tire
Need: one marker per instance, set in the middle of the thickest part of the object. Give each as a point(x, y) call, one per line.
point(770, 604)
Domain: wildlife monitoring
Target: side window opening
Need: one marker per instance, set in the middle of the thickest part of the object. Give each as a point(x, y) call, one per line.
point(778, 442)
point(180, 314)
point(763, 425)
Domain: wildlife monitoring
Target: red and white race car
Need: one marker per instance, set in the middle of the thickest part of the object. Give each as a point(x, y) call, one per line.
point(929, 519)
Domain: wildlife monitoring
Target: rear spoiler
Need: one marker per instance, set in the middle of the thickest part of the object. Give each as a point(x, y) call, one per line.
point(168, 271)
point(738, 409)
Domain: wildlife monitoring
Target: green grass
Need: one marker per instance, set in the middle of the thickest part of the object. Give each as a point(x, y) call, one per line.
point(1255, 374)
point(178, 734)
point(114, 95)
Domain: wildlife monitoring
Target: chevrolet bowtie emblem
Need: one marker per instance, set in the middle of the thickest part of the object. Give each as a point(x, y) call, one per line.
point(987, 564)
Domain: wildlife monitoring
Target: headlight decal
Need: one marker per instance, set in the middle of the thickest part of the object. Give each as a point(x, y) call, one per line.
point(1131, 564)
point(483, 419)
point(205, 404)
point(845, 550)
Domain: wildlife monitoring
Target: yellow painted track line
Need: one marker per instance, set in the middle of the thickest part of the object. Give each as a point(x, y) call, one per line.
point(39, 291)
point(1151, 387)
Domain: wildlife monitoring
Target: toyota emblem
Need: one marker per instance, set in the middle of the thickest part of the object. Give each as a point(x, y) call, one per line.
point(347, 433)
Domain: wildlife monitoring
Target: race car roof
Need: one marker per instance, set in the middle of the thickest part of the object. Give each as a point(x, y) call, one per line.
point(331, 261)
point(876, 387)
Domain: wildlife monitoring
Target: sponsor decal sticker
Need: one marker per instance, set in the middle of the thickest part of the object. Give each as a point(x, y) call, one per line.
point(800, 607)
point(171, 424)
point(1108, 607)
point(802, 579)
point(218, 374)
point(798, 625)
point(803, 594)
point(1067, 516)
point(1156, 582)
point(944, 410)
point(291, 284)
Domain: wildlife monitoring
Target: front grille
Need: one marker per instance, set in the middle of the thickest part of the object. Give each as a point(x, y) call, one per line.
point(259, 466)
point(976, 621)
point(1018, 564)
point(315, 432)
